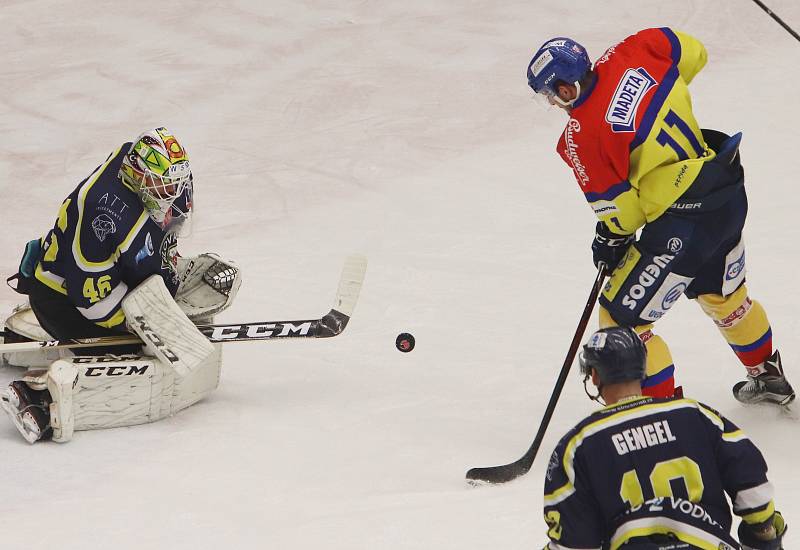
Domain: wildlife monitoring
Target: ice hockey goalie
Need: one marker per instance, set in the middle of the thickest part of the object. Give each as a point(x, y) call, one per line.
point(110, 266)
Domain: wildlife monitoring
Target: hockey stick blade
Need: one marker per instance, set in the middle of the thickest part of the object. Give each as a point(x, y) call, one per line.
point(499, 474)
point(329, 325)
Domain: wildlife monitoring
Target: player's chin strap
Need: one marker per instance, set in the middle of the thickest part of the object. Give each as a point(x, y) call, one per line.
point(571, 101)
point(599, 389)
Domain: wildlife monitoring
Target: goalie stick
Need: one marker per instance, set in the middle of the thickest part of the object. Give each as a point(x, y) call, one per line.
point(329, 325)
point(521, 466)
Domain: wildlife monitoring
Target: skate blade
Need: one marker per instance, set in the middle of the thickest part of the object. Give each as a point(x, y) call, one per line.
point(789, 410)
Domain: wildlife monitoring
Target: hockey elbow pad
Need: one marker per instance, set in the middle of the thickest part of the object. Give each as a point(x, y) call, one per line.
point(766, 538)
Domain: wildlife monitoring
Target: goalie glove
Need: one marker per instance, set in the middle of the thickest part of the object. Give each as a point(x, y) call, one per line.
point(208, 285)
point(769, 537)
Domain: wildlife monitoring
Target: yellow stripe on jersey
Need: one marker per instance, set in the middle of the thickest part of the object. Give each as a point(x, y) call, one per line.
point(115, 320)
point(730, 437)
point(80, 259)
point(52, 249)
point(760, 516)
point(50, 279)
point(62, 215)
point(712, 416)
point(734, 437)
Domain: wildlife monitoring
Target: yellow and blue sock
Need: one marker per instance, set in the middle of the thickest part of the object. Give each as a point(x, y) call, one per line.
point(742, 322)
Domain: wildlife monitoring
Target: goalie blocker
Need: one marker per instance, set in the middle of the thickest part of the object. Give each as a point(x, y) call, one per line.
point(82, 393)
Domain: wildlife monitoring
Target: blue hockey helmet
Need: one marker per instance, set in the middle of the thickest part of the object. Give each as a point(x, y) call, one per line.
point(559, 59)
point(616, 353)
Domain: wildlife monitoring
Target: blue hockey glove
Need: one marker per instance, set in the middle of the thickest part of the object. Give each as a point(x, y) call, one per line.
point(608, 247)
point(766, 538)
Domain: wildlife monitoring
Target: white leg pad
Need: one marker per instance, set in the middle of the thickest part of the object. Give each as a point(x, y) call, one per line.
point(36, 359)
point(61, 378)
point(165, 329)
point(91, 393)
point(190, 389)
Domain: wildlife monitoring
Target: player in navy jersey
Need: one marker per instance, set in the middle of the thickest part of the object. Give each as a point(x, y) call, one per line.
point(110, 266)
point(648, 473)
point(118, 227)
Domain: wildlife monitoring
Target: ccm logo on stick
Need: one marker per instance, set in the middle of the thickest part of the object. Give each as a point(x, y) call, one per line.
point(264, 330)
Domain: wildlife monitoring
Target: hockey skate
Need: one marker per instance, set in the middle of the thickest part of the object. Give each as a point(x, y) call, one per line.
point(28, 409)
point(768, 386)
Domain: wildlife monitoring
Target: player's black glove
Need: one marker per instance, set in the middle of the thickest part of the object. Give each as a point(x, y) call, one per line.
point(766, 538)
point(608, 247)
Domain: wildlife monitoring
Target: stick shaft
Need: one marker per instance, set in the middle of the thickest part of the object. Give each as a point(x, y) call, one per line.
point(508, 472)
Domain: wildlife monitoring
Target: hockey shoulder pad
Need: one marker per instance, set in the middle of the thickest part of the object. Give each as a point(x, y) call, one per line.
point(164, 328)
point(208, 285)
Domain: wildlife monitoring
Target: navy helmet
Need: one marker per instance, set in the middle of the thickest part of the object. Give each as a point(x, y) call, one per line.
point(559, 59)
point(616, 353)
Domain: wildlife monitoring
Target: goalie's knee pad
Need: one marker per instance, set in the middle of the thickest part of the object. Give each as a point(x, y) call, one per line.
point(92, 393)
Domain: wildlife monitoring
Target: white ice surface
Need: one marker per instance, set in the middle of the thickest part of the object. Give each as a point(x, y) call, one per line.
point(404, 131)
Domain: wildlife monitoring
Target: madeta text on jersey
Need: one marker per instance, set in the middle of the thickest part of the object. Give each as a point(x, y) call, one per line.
point(631, 89)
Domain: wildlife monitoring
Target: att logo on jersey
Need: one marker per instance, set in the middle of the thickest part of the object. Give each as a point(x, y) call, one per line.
point(631, 89)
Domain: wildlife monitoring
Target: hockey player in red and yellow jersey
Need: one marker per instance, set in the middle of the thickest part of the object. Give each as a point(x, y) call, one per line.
point(645, 166)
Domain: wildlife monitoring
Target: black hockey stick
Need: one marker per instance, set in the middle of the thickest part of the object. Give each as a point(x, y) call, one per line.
point(330, 324)
point(508, 472)
point(780, 21)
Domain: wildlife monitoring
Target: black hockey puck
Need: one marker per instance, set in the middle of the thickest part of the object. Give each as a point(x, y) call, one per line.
point(404, 342)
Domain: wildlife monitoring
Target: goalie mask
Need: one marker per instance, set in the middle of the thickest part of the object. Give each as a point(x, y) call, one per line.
point(157, 169)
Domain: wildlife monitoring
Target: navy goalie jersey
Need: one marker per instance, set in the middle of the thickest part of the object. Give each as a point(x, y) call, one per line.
point(647, 466)
point(104, 244)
